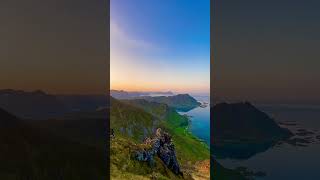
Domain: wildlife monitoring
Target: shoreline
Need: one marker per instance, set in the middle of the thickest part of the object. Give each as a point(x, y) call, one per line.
point(187, 130)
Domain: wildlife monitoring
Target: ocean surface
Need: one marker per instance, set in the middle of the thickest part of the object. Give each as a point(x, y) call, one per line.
point(287, 161)
point(200, 120)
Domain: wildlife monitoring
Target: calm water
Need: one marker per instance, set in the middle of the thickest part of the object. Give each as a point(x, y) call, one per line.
point(200, 120)
point(287, 161)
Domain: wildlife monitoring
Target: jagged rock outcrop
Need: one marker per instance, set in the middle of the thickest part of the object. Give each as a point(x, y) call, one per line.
point(162, 146)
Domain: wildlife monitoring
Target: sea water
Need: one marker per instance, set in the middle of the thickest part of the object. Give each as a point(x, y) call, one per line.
point(287, 161)
point(200, 120)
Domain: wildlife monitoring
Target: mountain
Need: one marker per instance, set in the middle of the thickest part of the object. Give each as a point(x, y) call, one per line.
point(28, 152)
point(135, 120)
point(83, 102)
point(131, 121)
point(120, 94)
point(33, 105)
point(87, 128)
point(182, 102)
point(40, 105)
point(241, 130)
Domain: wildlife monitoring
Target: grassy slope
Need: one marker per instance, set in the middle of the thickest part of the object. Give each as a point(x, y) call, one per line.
point(124, 166)
point(137, 117)
point(180, 101)
point(188, 147)
point(130, 121)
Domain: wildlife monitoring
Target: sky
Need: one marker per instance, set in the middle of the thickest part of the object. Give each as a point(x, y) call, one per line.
point(57, 46)
point(266, 51)
point(160, 45)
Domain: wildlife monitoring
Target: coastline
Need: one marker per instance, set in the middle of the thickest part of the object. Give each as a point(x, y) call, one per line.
point(188, 128)
point(196, 116)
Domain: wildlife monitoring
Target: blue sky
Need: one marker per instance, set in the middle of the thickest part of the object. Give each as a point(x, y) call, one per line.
point(160, 45)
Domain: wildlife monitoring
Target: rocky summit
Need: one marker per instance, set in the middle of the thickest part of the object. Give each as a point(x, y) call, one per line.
point(162, 146)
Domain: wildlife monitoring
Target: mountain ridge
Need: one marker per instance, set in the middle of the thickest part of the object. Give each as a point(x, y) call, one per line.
point(28, 152)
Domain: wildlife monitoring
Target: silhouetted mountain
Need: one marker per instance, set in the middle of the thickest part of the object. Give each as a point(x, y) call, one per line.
point(182, 102)
point(31, 153)
point(241, 130)
point(88, 127)
point(40, 105)
point(244, 121)
point(33, 105)
point(83, 102)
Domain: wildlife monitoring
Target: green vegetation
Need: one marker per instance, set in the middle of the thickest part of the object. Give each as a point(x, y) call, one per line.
point(189, 147)
point(183, 102)
point(133, 120)
point(124, 166)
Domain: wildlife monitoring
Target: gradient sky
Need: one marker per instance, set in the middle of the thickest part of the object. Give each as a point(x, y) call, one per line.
point(160, 45)
point(267, 51)
point(56, 46)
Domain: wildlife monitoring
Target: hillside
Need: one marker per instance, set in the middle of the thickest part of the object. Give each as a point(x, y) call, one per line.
point(31, 153)
point(135, 120)
point(120, 94)
point(182, 102)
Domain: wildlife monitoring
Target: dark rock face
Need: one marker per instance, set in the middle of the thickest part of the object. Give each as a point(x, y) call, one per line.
point(240, 130)
point(163, 147)
point(242, 121)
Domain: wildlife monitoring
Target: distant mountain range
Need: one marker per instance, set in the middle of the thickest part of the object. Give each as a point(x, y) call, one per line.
point(35, 105)
point(121, 94)
point(181, 102)
point(40, 105)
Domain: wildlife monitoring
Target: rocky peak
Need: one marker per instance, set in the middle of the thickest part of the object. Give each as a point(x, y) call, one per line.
point(160, 145)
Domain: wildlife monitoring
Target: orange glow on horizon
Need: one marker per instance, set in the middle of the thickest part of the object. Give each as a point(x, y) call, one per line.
point(148, 88)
